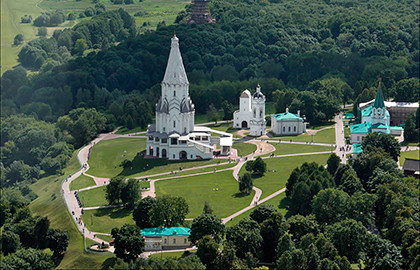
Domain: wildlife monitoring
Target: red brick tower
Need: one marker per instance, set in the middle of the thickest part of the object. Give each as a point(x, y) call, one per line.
point(200, 12)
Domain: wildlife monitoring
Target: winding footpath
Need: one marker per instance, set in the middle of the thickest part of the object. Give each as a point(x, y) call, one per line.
point(263, 148)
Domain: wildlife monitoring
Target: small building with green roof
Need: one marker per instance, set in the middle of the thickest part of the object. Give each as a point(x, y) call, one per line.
point(162, 238)
point(287, 123)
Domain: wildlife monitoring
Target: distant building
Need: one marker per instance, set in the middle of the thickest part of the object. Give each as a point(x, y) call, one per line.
point(200, 13)
point(374, 117)
point(398, 111)
point(251, 113)
point(411, 167)
point(174, 135)
point(166, 238)
point(287, 123)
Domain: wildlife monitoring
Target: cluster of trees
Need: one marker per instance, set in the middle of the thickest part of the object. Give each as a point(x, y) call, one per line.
point(92, 11)
point(99, 32)
point(127, 191)
point(164, 210)
point(24, 237)
point(120, 2)
point(26, 18)
point(255, 168)
point(412, 127)
point(50, 19)
point(344, 202)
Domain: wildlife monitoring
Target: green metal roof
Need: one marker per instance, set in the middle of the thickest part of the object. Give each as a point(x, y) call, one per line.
point(286, 116)
point(357, 148)
point(379, 100)
point(160, 231)
point(396, 128)
point(349, 116)
point(362, 128)
point(368, 111)
point(379, 125)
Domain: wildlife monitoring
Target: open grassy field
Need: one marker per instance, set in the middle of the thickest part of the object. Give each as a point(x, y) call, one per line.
point(207, 169)
point(244, 149)
point(280, 170)
point(106, 238)
point(50, 204)
point(285, 148)
point(175, 254)
point(82, 181)
point(93, 197)
point(104, 220)
point(409, 154)
point(279, 200)
point(106, 157)
point(197, 189)
point(12, 11)
point(323, 136)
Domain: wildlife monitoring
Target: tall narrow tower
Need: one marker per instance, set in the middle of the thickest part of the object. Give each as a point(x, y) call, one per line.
point(200, 12)
point(257, 122)
point(175, 110)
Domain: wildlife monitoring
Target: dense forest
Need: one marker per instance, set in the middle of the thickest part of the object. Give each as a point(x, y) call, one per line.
point(308, 55)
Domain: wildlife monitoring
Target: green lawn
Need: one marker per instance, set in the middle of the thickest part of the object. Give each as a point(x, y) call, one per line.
point(104, 220)
point(197, 189)
point(82, 181)
point(107, 155)
point(273, 181)
point(93, 197)
point(125, 130)
point(274, 201)
point(207, 169)
point(106, 238)
point(323, 136)
point(409, 154)
point(50, 204)
point(285, 148)
point(244, 149)
point(164, 255)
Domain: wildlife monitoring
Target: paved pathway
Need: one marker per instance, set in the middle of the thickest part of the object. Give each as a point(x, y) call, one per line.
point(340, 140)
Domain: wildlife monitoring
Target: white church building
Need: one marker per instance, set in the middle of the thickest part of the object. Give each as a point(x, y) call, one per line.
point(251, 113)
point(174, 135)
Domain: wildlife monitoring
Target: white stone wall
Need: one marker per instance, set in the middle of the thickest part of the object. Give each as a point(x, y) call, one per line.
point(357, 138)
point(243, 114)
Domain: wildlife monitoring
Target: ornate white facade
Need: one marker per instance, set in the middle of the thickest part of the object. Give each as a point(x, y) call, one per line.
point(251, 113)
point(174, 135)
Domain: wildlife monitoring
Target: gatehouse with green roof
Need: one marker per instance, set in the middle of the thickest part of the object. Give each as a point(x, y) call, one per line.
point(287, 123)
point(163, 238)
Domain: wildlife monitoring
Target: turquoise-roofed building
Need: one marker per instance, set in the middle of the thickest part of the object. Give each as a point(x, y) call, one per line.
point(373, 118)
point(160, 238)
point(287, 123)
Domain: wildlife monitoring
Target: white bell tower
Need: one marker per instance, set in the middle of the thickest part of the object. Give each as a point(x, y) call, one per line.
point(257, 122)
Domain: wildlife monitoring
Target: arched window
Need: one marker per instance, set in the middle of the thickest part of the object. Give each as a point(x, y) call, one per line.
point(185, 130)
point(284, 129)
point(294, 128)
point(174, 93)
point(174, 123)
point(255, 113)
point(289, 129)
point(261, 114)
point(174, 240)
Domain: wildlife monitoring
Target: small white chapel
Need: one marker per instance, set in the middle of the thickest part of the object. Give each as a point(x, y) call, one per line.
point(251, 113)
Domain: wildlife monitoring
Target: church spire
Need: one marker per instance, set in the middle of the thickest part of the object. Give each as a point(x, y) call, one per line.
point(379, 100)
point(175, 71)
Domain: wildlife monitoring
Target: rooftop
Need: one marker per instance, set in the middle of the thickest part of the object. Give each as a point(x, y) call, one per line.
point(159, 231)
point(286, 116)
point(357, 148)
point(411, 164)
point(362, 128)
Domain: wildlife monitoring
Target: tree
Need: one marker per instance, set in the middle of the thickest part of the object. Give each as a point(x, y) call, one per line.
point(208, 250)
point(212, 113)
point(271, 229)
point(141, 213)
point(9, 242)
point(58, 241)
point(382, 254)
point(262, 212)
point(18, 39)
point(130, 193)
point(207, 224)
point(40, 232)
point(301, 225)
point(257, 166)
point(113, 190)
point(207, 208)
point(227, 110)
point(42, 31)
point(410, 131)
point(245, 183)
point(80, 46)
point(168, 210)
point(245, 236)
point(332, 163)
point(404, 90)
point(384, 141)
point(28, 259)
point(349, 237)
point(330, 206)
point(128, 242)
